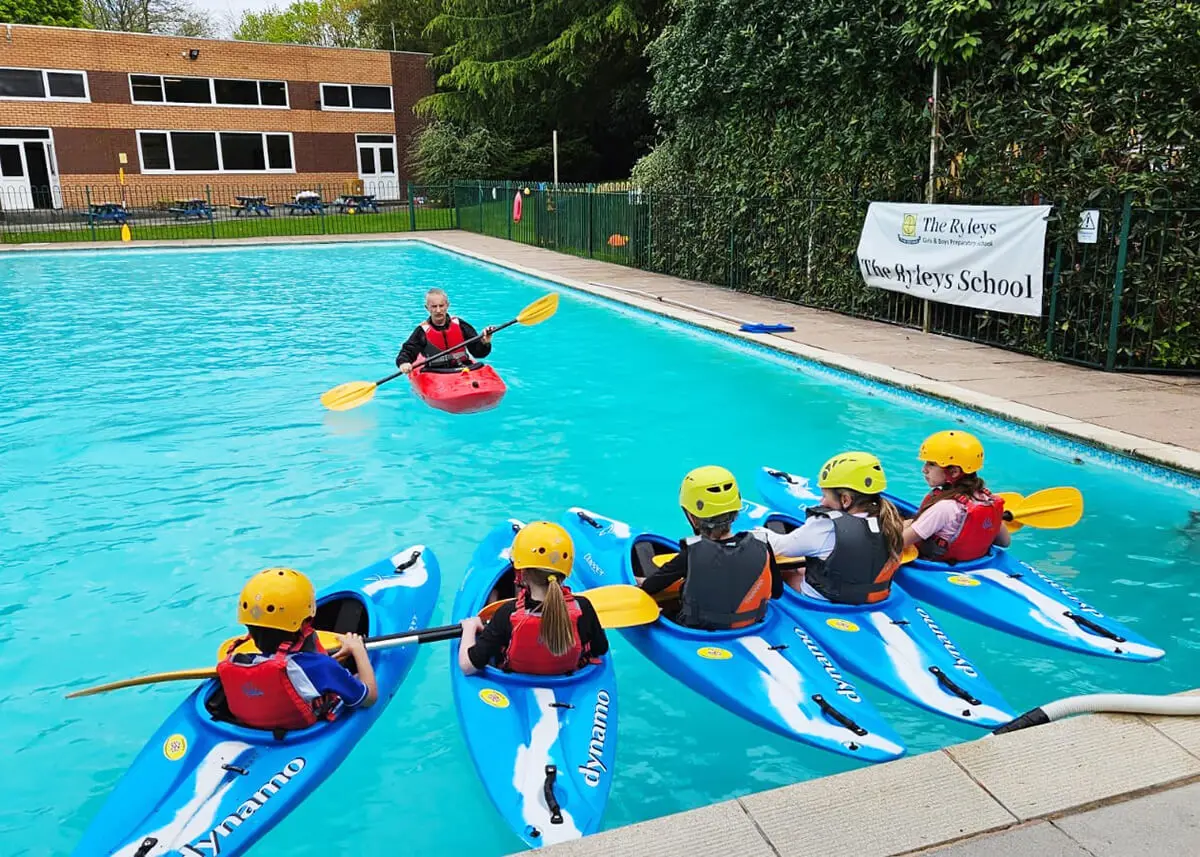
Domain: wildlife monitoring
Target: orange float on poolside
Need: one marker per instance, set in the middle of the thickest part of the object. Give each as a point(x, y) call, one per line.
point(618, 240)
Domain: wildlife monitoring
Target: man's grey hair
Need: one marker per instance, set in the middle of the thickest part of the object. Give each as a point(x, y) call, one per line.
point(436, 292)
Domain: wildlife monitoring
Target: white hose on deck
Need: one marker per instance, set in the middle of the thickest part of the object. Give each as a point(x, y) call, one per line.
point(661, 299)
point(1122, 703)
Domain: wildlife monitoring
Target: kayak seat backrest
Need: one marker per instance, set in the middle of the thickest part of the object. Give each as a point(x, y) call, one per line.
point(505, 587)
point(781, 527)
point(343, 616)
point(643, 558)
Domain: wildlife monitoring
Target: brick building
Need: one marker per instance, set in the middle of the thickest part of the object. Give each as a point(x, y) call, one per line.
point(239, 117)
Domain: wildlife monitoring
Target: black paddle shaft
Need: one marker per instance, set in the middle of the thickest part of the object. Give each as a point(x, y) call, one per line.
point(462, 344)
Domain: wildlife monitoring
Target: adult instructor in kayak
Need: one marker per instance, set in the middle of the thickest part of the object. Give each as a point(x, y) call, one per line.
point(442, 331)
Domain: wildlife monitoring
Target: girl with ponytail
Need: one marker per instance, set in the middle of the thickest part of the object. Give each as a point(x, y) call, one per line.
point(545, 630)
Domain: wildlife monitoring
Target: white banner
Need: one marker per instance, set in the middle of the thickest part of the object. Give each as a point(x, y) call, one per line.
point(983, 256)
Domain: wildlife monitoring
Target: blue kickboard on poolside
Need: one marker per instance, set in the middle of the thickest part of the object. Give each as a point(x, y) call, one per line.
point(767, 328)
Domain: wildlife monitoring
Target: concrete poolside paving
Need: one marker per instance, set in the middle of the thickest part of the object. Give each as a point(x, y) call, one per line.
point(1089, 786)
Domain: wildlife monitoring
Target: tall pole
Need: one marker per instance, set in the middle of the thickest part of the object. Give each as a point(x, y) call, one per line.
point(927, 311)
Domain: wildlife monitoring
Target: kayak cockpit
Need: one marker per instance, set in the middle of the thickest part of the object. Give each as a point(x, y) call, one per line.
point(341, 614)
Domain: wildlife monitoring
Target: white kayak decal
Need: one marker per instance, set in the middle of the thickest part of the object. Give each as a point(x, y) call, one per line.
point(410, 576)
point(196, 816)
point(785, 690)
point(529, 773)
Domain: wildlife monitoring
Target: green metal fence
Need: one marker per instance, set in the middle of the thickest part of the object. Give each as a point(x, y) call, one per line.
point(1128, 302)
point(98, 212)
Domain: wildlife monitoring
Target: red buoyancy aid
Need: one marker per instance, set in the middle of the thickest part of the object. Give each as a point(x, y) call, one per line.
point(448, 338)
point(261, 696)
point(985, 516)
point(526, 654)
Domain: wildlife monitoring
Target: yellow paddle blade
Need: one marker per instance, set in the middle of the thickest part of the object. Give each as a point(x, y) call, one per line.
point(1050, 509)
point(154, 678)
point(329, 642)
point(539, 310)
point(663, 558)
point(1011, 501)
point(909, 554)
point(343, 397)
point(622, 605)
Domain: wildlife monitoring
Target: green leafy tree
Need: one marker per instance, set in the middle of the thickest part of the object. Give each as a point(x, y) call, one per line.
point(443, 152)
point(525, 69)
point(52, 13)
point(331, 23)
point(167, 17)
point(402, 25)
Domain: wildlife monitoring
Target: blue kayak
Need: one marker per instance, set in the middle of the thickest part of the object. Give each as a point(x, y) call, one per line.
point(894, 644)
point(997, 590)
point(204, 785)
point(541, 744)
point(773, 673)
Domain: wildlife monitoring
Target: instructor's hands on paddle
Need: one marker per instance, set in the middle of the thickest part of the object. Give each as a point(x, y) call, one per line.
point(354, 393)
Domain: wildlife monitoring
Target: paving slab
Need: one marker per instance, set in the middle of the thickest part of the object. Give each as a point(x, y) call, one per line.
point(1166, 824)
point(1073, 763)
point(1184, 731)
point(1039, 839)
point(875, 812)
point(720, 830)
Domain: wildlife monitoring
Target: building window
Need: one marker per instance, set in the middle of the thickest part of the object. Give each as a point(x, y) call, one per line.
point(225, 92)
point(346, 96)
point(215, 152)
point(43, 85)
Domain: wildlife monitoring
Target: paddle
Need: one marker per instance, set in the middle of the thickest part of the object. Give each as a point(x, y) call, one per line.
point(617, 606)
point(354, 393)
point(1049, 509)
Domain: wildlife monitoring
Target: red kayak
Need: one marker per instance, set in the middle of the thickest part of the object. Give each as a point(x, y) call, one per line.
point(461, 391)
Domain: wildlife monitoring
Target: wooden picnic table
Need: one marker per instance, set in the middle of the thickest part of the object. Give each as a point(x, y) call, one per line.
point(351, 202)
point(251, 205)
point(198, 208)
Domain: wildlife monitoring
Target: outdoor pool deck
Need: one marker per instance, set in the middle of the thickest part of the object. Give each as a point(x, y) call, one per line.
point(1091, 786)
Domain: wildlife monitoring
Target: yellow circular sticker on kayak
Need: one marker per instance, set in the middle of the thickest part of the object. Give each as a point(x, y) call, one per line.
point(175, 747)
point(962, 580)
point(494, 698)
point(712, 653)
point(841, 624)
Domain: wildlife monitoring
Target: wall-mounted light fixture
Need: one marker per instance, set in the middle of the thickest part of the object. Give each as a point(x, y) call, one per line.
point(194, 53)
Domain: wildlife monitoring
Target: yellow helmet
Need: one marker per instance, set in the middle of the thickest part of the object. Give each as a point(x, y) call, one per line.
point(543, 544)
point(858, 471)
point(710, 491)
point(280, 598)
point(953, 447)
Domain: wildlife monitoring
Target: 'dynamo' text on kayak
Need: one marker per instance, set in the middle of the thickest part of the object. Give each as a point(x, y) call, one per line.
point(960, 663)
point(210, 844)
point(595, 765)
point(844, 688)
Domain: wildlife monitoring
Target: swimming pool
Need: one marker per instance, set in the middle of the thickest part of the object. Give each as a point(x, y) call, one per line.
point(162, 441)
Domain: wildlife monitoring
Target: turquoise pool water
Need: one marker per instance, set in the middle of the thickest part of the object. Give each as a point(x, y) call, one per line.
point(161, 440)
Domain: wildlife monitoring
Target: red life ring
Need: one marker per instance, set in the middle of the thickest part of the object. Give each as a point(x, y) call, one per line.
point(517, 208)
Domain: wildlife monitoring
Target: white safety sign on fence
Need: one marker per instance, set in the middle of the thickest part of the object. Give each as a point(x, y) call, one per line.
point(984, 256)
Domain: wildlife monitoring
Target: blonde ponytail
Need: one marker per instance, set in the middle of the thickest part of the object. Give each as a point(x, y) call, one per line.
point(557, 631)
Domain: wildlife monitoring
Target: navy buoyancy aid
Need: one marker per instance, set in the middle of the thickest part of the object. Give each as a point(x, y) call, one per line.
point(440, 340)
point(728, 583)
point(860, 569)
point(260, 694)
point(527, 654)
point(981, 524)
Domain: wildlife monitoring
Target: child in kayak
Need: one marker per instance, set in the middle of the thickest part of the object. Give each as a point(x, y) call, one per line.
point(290, 683)
point(545, 630)
point(959, 520)
point(852, 541)
point(727, 578)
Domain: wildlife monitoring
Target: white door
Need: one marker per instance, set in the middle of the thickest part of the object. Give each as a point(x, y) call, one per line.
point(15, 192)
point(377, 165)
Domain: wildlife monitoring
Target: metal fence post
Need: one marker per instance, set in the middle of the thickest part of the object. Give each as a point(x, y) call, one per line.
point(87, 193)
point(321, 205)
point(1114, 321)
point(412, 209)
point(591, 194)
point(212, 224)
point(1055, 278)
point(508, 202)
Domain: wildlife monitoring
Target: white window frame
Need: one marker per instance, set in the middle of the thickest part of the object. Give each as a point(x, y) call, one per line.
point(212, 92)
point(87, 89)
point(350, 94)
point(220, 157)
